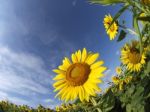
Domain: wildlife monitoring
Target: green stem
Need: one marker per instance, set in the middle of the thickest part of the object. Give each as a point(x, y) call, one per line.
point(93, 101)
point(140, 36)
point(135, 4)
point(136, 26)
point(95, 104)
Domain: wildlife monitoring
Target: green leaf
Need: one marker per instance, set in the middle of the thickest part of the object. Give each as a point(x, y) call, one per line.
point(106, 2)
point(128, 108)
point(148, 96)
point(148, 67)
point(131, 90)
point(122, 35)
point(136, 27)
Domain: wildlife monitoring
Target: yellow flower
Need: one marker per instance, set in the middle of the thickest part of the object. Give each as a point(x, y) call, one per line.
point(131, 57)
point(118, 82)
point(121, 84)
point(144, 39)
point(143, 15)
point(57, 108)
point(115, 80)
point(79, 78)
point(113, 30)
point(128, 79)
point(118, 70)
point(63, 107)
point(74, 106)
point(147, 48)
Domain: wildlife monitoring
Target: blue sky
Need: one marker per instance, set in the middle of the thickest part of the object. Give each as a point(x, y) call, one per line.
point(35, 35)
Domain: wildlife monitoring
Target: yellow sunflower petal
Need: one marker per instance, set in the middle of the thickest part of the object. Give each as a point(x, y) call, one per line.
point(74, 58)
point(84, 55)
point(59, 76)
point(66, 63)
point(97, 64)
point(81, 93)
point(61, 91)
point(92, 59)
point(78, 55)
point(60, 87)
point(59, 71)
point(56, 84)
point(98, 70)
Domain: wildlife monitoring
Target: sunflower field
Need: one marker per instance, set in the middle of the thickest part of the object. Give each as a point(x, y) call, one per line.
point(78, 77)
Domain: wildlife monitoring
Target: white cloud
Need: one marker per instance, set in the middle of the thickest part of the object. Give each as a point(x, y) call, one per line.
point(15, 26)
point(107, 79)
point(74, 2)
point(24, 74)
point(118, 52)
point(107, 72)
point(17, 100)
point(9, 22)
point(6, 97)
point(48, 100)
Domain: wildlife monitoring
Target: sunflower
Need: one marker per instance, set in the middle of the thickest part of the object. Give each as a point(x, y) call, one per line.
point(115, 80)
point(121, 81)
point(118, 82)
point(131, 57)
point(128, 79)
point(79, 78)
point(118, 70)
point(113, 30)
point(121, 85)
point(57, 108)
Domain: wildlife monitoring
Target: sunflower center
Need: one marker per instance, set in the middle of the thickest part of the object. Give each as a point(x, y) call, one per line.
point(134, 57)
point(77, 74)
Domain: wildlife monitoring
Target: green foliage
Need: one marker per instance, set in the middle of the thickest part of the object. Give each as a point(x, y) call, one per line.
point(122, 35)
point(6, 106)
point(106, 2)
point(134, 98)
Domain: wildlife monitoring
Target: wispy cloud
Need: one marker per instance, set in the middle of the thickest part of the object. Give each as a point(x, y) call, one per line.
point(5, 96)
point(23, 74)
